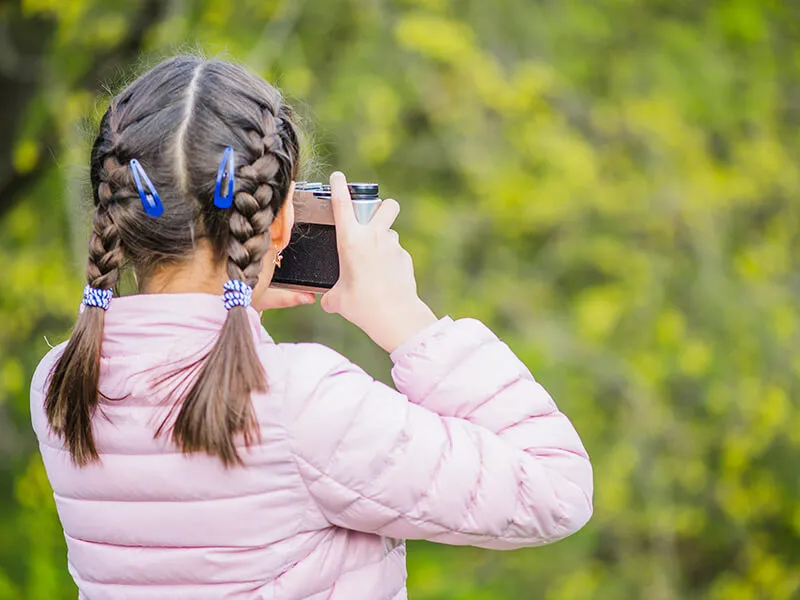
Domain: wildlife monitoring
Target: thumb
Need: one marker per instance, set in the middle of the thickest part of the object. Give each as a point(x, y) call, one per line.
point(328, 301)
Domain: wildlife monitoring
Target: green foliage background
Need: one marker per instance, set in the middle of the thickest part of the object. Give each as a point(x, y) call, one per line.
point(611, 185)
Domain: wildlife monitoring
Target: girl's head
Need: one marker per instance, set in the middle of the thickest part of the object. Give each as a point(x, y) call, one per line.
point(177, 120)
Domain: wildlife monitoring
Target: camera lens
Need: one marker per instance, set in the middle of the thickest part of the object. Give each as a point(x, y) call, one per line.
point(358, 191)
point(363, 191)
point(306, 186)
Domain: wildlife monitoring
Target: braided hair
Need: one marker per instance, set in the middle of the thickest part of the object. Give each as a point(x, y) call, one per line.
point(177, 119)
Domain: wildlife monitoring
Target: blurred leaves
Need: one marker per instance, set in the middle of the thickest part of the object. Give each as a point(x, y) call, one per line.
point(612, 186)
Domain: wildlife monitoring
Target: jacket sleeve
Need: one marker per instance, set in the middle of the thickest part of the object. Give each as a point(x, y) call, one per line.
point(470, 451)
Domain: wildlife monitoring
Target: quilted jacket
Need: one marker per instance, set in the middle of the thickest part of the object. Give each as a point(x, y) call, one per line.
point(469, 450)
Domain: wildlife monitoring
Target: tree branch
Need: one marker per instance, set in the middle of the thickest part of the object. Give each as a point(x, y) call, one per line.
point(17, 91)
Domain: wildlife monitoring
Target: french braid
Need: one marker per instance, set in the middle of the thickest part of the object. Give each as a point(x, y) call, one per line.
point(106, 252)
point(177, 119)
point(254, 210)
point(219, 405)
point(72, 395)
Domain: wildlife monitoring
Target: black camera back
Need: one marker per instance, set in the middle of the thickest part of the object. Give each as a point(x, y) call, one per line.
point(311, 260)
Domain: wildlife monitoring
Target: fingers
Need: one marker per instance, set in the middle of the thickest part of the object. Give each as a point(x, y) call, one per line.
point(386, 214)
point(278, 298)
point(300, 298)
point(343, 214)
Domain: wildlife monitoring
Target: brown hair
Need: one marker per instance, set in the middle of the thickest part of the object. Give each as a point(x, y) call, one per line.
point(177, 119)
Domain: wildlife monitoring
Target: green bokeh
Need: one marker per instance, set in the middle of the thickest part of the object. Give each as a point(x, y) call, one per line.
point(613, 186)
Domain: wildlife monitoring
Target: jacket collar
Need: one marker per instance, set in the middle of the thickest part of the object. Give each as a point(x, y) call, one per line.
point(146, 323)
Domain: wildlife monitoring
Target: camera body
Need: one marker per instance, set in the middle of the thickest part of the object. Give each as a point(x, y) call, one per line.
point(311, 260)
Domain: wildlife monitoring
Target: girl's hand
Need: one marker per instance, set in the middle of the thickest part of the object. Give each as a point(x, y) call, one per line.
point(376, 290)
point(278, 298)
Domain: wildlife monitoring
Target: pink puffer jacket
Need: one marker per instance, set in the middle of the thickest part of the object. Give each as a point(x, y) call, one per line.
point(471, 450)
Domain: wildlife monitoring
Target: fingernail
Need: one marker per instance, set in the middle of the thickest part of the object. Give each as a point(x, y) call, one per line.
point(310, 299)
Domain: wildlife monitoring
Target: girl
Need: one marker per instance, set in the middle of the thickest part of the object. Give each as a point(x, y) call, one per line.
point(192, 457)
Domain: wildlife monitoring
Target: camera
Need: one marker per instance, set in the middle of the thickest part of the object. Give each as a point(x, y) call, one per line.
point(311, 260)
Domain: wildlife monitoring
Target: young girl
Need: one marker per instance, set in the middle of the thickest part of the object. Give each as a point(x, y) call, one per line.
point(192, 457)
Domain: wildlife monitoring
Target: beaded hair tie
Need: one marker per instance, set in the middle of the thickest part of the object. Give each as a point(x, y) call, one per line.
point(97, 297)
point(237, 293)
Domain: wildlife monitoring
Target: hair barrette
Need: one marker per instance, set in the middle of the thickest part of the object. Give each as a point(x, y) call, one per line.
point(151, 202)
point(223, 194)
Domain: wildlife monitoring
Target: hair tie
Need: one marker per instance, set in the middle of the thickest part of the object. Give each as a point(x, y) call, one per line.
point(97, 297)
point(237, 293)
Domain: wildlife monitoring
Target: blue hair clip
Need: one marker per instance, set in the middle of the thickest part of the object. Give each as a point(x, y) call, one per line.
point(150, 199)
point(224, 198)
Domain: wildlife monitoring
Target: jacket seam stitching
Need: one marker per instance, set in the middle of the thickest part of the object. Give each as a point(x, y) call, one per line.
point(289, 438)
point(348, 427)
point(508, 385)
point(409, 517)
point(456, 361)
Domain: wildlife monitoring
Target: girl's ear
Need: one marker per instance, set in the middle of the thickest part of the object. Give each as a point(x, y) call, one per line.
point(280, 231)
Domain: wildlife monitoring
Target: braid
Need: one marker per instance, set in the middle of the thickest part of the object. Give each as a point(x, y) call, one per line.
point(178, 118)
point(219, 404)
point(248, 224)
point(254, 211)
point(105, 244)
point(72, 394)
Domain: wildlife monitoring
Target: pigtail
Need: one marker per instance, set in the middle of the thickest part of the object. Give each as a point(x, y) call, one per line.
point(179, 142)
point(219, 406)
point(72, 393)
